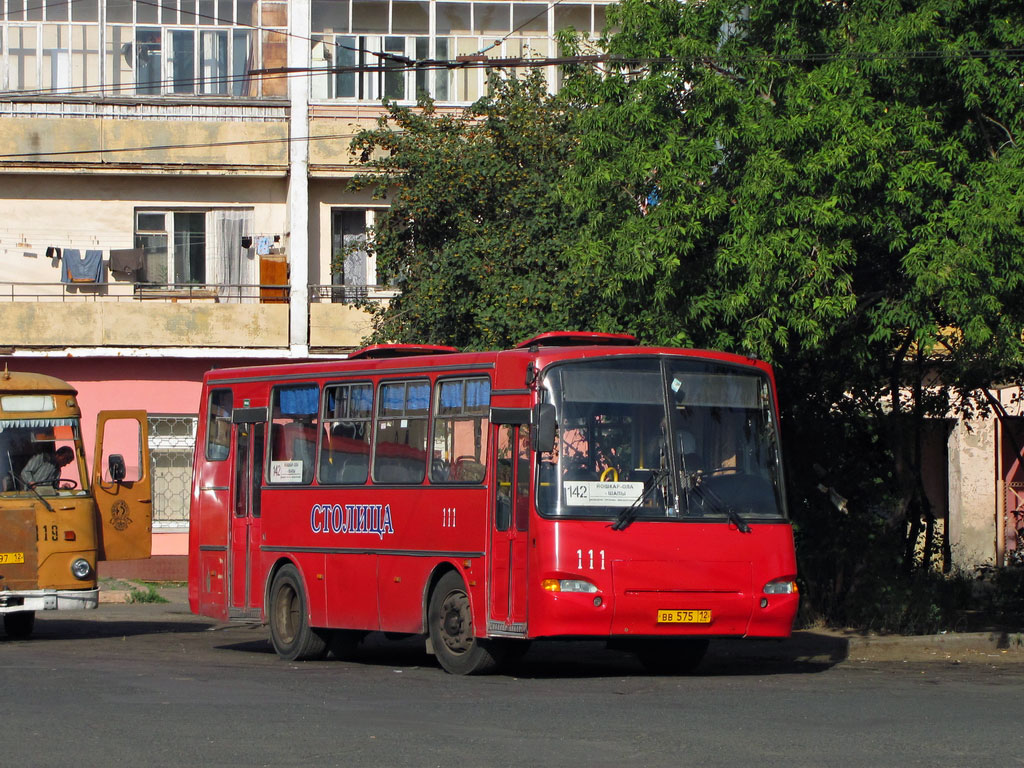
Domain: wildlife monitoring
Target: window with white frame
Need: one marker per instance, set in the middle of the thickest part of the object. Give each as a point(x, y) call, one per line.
point(191, 247)
point(369, 49)
point(170, 47)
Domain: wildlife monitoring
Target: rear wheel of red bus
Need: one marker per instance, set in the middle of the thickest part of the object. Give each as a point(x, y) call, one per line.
point(290, 633)
point(450, 623)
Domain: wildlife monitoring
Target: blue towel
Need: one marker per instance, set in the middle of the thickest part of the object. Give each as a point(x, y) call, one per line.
point(79, 269)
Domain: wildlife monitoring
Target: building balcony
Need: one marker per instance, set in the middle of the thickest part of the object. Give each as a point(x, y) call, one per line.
point(121, 137)
point(36, 317)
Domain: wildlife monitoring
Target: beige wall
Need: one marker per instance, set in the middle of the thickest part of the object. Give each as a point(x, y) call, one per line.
point(143, 324)
point(342, 123)
point(51, 135)
point(337, 326)
point(972, 493)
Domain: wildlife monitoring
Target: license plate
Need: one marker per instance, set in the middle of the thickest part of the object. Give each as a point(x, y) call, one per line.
point(6, 558)
point(677, 616)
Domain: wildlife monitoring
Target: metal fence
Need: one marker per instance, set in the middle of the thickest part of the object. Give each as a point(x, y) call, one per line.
point(349, 294)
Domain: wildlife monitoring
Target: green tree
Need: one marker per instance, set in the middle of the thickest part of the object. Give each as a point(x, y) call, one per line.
point(477, 232)
point(836, 187)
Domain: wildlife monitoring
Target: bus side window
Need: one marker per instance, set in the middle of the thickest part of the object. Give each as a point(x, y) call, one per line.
point(460, 431)
point(400, 443)
point(293, 433)
point(345, 436)
point(218, 425)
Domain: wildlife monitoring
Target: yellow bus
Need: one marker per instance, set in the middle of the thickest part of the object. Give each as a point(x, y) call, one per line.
point(55, 521)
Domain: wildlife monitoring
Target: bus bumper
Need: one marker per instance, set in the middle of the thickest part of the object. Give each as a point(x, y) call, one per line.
point(13, 601)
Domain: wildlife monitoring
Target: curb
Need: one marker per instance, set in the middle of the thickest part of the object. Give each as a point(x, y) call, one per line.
point(114, 595)
point(833, 647)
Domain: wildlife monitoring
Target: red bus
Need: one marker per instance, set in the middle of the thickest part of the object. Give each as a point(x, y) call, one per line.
point(576, 486)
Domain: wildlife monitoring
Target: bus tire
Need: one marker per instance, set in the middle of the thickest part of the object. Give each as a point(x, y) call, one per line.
point(450, 624)
point(290, 633)
point(671, 657)
point(19, 625)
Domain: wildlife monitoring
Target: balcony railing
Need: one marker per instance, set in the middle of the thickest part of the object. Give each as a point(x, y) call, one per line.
point(350, 294)
point(127, 292)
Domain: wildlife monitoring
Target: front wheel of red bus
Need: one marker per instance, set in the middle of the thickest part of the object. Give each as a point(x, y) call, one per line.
point(290, 633)
point(450, 622)
point(19, 625)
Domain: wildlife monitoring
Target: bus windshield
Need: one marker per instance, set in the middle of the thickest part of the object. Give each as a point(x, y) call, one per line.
point(665, 438)
point(40, 456)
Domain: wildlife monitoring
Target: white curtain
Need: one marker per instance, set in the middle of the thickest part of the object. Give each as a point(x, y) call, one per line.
point(234, 269)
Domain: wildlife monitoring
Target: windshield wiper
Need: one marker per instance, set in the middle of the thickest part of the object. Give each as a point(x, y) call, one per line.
point(719, 505)
point(629, 514)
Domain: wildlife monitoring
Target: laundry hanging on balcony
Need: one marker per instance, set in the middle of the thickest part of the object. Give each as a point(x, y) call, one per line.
point(81, 269)
point(126, 260)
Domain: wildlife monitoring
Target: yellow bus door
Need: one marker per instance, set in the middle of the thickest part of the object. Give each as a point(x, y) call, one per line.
point(122, 486)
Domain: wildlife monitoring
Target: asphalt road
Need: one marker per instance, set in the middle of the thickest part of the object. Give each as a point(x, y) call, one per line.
point(151, 685)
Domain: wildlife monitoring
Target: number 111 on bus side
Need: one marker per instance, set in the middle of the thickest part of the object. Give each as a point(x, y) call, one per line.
point(577, 485)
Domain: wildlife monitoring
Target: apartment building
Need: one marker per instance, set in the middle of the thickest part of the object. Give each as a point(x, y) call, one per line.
point(172, 181)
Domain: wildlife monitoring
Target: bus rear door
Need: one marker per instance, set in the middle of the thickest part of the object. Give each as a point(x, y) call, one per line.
point(509, 529)
point(244, 576)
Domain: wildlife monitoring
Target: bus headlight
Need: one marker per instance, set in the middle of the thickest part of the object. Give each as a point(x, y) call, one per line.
point(781, 587)
point(81, 569)
point(567, 585)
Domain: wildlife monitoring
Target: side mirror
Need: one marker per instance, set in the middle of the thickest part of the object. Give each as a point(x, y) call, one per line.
point(544, 428)
point(115, 465)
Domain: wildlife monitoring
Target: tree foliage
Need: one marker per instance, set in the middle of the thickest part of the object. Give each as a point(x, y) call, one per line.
point(824, 172)
point(477, 232)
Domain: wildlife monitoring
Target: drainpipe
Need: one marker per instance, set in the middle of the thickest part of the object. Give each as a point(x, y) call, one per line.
point(298, 179)
point(1000, 489)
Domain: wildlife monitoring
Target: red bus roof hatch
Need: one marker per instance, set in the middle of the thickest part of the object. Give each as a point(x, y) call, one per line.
point(377, 351)
point(578, 339)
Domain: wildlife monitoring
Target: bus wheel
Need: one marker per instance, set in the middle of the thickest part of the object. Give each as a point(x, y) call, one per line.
point(671, 657)
point(19, 626)
point(293, 638)
point(450, 622)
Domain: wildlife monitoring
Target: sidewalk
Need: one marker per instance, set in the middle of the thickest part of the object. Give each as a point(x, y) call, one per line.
point(124, 591)
point(827, 646)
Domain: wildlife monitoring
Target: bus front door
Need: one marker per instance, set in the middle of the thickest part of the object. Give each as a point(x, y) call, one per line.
point(511, 505)
point(122, 489)
point(244, 577)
